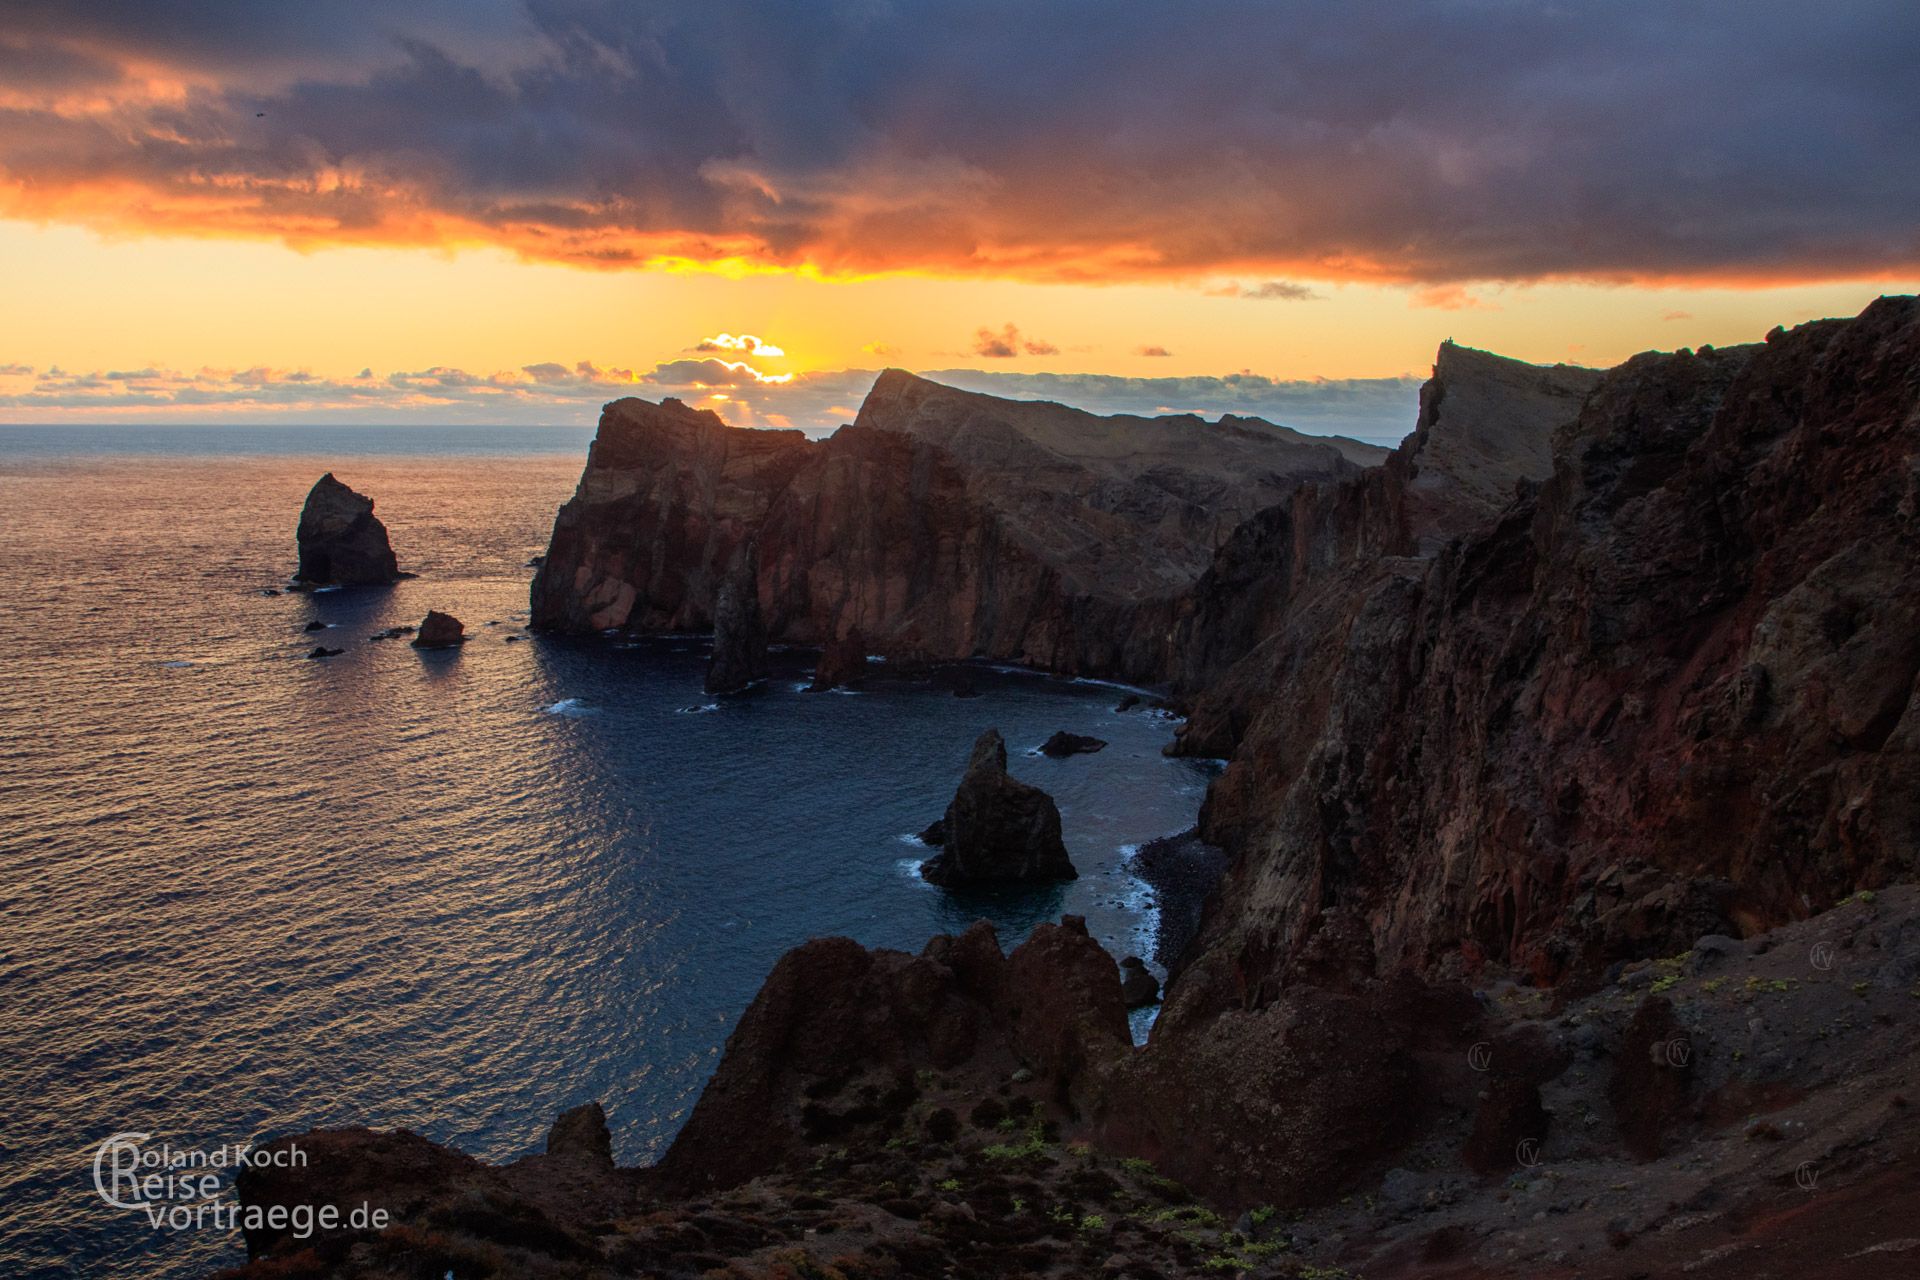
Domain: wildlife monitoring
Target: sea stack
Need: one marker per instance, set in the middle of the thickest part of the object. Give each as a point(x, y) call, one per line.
point(739, 633)
point(998, 829)
point(440, 631)
point(342, 543)
point(842, 662)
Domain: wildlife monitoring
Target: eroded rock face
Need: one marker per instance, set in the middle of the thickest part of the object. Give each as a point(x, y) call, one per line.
point(941, 525)
point(1667, 692)
point(831, 1049)
point(739, 633)
point(842, 662)
point(998, 830)
point(341, 541)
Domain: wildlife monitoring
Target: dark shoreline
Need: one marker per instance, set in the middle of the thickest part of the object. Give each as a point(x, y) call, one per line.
point(1182, 870)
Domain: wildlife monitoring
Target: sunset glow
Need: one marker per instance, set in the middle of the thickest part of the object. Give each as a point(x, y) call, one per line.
point(234, 209)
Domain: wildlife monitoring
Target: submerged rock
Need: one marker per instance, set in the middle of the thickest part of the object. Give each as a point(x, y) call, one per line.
point(998, 829)
point(1070, 744)
point(315, 625)
point(321, 651)
point(739, 633)
point(440, 631)
point(842, 662)
point(341, 541)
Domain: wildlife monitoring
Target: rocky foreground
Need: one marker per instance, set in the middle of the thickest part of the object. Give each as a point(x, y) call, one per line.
point(1572, 787)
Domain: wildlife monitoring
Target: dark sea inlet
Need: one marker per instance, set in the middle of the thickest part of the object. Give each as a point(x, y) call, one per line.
point(245, 893)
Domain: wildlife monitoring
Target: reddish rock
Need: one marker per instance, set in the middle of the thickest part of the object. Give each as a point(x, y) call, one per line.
point(1511, 1121)
point(1288, 1105)
point(941, 525)
point(842, 662)
point(739, 633)
point(1651, 1081)
point(439, 631)
point(341, 541)
point(1662, 693)
point(998, 830)
point(830, 1049)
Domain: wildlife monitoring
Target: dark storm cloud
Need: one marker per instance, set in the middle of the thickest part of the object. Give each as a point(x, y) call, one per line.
point(1432, 141)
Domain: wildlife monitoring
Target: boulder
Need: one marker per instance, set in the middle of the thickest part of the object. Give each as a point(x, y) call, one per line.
point(581, 1135)
point(739, 633)
point(321, 651)
point(998, 829)
point(1070, 744)
point(341, 541)
point(1138, 986)
point(842, 662)
point(440, 631)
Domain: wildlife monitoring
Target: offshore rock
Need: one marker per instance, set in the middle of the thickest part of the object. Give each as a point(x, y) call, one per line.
point(439, 631)
point(1063, 744)
point(842, 662)
point(739, 634)
point(341, 541)
point(998, 829)
point(1137, 986)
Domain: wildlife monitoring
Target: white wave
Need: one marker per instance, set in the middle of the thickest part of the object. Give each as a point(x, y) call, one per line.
point(910, 868)
point(914, 840)
point(570, 707)
point(702, 709)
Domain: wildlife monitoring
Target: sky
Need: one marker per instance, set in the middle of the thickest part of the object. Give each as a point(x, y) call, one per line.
point(515, 210)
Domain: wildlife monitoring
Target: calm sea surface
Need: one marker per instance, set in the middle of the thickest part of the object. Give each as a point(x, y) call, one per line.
point(244, 893)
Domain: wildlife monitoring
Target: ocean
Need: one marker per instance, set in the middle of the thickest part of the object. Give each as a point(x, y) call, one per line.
point(245, 893)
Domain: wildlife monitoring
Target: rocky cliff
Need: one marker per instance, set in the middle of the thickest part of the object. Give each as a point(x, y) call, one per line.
point(1664, 692)
point(1572, 764)
point(940, 525)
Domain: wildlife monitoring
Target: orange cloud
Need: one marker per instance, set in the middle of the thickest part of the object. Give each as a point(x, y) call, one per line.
point(858, 141)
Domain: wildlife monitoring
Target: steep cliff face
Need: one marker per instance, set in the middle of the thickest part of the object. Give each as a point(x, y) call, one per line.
point(940, 525)
point(1667, 692)
point(1485, 428)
